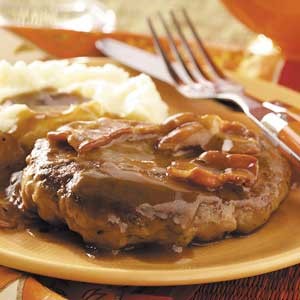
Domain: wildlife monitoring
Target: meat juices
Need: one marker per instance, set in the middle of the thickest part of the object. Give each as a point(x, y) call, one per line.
point(119, 182)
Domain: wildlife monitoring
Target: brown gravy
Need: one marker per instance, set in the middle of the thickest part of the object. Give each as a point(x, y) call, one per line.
point(46, 100)
point(13, 218)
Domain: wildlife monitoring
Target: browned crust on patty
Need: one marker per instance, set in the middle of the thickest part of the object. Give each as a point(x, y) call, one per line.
point(113, 206)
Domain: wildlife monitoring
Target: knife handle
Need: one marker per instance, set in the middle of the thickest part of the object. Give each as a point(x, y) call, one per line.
point(291, 138)
point(286, 134)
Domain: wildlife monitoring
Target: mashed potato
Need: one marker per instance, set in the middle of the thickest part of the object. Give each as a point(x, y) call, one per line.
point(109, 88)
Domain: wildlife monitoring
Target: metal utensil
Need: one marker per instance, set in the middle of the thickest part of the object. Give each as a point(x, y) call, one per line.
point(198, 80)
point(195, 81)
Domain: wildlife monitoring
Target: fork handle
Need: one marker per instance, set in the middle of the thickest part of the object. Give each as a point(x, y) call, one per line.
point(286, 134)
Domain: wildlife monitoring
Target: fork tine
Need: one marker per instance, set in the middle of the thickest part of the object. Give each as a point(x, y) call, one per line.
point(218, 74)
point(201, 71)
point(176, 78)
point(174, 48)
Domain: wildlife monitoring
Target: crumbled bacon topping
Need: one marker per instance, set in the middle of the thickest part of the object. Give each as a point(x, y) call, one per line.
point(230, 147)
point(209, 132)
point(243, 140)
point(176, 120)
point(214, 168)
point(86, 136)
point(186, 135)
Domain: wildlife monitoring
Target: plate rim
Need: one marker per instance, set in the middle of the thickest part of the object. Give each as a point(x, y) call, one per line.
point(153, 277)
point(104, 275)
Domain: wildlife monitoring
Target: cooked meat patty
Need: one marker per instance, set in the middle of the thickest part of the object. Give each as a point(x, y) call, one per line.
point(119, 182)
point(12, 157)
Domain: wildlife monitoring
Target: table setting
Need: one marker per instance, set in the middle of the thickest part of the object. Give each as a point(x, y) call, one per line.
point(236, 60)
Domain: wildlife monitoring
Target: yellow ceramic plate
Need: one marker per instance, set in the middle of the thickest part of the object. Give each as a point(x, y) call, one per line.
point(276, 245)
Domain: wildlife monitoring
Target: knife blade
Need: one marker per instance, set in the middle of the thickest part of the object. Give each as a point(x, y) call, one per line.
point(135, 58)
point(145, 62)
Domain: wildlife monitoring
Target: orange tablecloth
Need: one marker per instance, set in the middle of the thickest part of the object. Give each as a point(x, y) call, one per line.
point(284, 284)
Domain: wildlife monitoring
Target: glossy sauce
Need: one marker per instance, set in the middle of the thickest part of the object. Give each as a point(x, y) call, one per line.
point(12, 218)
point(60, 235)
point(176, 200)
point(46, 100)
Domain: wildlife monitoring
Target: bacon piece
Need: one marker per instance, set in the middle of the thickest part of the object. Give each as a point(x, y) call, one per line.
point(186, 135)
point(237, 128)
point(214, 168)
point(243, 140)
point(176, 120)
point(208, 132)
point(86, 136)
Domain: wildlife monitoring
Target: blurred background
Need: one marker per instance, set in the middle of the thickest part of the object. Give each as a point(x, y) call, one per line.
point(234, 46)
point(213, 21)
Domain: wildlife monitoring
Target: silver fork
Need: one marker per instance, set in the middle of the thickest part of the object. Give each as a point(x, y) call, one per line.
point(193, 81)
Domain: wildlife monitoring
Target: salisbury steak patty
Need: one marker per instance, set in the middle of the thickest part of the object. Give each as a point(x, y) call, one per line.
point(119, 182)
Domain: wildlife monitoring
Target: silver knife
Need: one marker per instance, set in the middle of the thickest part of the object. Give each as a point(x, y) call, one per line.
point(135, 58)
